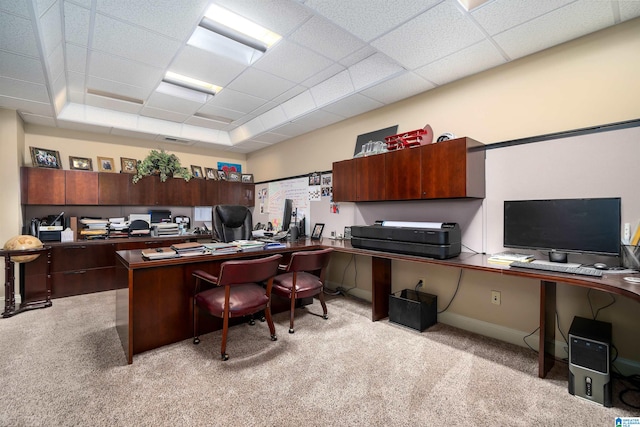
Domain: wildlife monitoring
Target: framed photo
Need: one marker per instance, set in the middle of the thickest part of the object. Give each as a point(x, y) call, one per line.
point(247, 178)
point(128, 165)
point(105, 164)
point(222, 175)
point(234, 176)
point(196, 171)
point(210, 173)
point(80, 163)
point(317, 231)
point(229, 167)
point(43, 158)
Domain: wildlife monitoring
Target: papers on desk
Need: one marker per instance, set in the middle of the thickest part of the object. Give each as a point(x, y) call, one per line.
point(507, 258)
point(248, 245)
point(220, 248)
point(159, 253)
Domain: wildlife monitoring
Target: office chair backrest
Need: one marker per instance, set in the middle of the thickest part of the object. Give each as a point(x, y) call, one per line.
point(232, 222)
point(310, 261)
point(239, 272)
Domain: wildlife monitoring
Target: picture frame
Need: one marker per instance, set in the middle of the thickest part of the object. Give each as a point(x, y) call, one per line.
point(316, 234)
point(80, 163)
point(234, 176)
point(196, 171)
point(210, 173)
point(247, 178)
point(45, 158)
point(105, 164)
point(222, 175)
point(128, 165)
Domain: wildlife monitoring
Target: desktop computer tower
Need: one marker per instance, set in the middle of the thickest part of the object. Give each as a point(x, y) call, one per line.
point(589, 360)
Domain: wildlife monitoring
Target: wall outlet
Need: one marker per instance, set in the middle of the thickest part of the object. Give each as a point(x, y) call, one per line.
point(495, 297)
point(627, 232)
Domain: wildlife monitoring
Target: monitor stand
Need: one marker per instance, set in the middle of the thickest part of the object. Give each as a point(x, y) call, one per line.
point(560, 257)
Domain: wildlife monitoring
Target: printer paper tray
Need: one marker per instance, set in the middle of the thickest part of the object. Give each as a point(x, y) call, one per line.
point(419, 249)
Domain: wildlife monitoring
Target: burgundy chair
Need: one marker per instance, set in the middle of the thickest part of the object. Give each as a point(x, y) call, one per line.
point(304, 278)
point(238, 292)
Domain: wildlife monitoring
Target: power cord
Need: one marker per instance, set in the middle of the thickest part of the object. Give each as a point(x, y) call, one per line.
point(340, 290)
point(595, 316)
point(631, 383)
point(527, 336)
point(454, 294)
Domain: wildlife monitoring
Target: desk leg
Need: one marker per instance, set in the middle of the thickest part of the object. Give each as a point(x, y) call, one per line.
point(380, 287)
point(546, 347)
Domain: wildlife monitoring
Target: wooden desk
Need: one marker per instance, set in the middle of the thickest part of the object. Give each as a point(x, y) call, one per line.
point(153, 307)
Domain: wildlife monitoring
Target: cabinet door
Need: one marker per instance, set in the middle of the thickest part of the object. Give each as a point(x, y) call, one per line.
point(344, 181)
point(444, 167)
point(370, 178)
point(210, 193)
point(41, 186)
point(81, 188)
point(113, 188)
point(402, 174)
point(248, 195)
point(143, 193)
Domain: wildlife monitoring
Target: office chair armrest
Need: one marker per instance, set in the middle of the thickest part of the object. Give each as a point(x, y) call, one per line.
point(283, 267)
point(205, 276)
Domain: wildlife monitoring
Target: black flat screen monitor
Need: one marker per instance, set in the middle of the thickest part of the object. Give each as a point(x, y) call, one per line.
point(564, 226)
point(286, 215)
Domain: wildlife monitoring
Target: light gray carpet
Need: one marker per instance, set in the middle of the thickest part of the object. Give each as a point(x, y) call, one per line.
point(65, 366)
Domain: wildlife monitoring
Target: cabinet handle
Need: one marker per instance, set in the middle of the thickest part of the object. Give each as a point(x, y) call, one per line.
point(76, 272)
point(76, 247)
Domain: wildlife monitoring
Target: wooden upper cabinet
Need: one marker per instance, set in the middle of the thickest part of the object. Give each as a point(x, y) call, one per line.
point(402, 174)
point(81, 188)
point(451, 169)
point(344, 181)
point(247, 198)
point(370, 178)
point(143, 192)
point(41, 186)
point(113, 188)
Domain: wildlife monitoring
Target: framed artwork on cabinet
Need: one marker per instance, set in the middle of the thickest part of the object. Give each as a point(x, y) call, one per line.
point(222, 175)
point(234, 176)
point(196, 171)
point(247, 178)
point(128, 165)
point(80, 163)
point(105, 164)
point(210, 173)
point(44, 158)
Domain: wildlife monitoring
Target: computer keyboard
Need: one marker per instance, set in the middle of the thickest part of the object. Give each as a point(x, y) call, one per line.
point(585, 271)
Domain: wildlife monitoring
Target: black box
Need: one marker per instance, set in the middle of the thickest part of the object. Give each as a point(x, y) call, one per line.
point(417, 310)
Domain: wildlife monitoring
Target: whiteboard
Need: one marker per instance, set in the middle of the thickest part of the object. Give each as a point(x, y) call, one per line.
point(296, 189)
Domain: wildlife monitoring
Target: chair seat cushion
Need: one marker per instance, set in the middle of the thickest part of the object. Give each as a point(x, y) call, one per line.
point(244, 299)
point(307, 285)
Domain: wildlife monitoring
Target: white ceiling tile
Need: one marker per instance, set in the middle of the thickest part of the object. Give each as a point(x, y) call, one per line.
point(176, 19)
point(38, 120)
point(291, 129)
point(299, 105)
point(25, 90)
point(433, 35)
point(56, 62)
point(51, 29)
point(132, 134)
point(294, 91)
point(21, 68)
point(333, 89)
point(26, 106)
point(249, 146)
point(263, 109)
point(323, 75)
point(261, 84)
point(569, 22)
point(326, 38)
point(206, 123)
point(159, 127)
point(203, 134)
point(270, 138)
point(369, 19)
point(479, 57)
point(76, 97)
point(84, 127)
point(17, 35)
point(84, 3)
point(629, 9)
point(214, 110)
point(76, 24)
point(117, 88)
point(112, 104)
point(75, 81)
point(76, 58)
point(128, 41)
point(121, 70)
point(499, 15)
point(318, 119)
point(163, 114)
point(358, 56)
point(300, 63)
point(372, 70)
point(273, 118)
point(281, 16)
point(59, 92)
point(199, 64)
point(398, 88)
point(17, 7)
point(42, 6)
point(171, 103)
point(353, 105)
point(237, 101)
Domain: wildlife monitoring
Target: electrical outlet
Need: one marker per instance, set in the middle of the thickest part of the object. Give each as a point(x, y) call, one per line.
point(627, 232)
point(495, 297)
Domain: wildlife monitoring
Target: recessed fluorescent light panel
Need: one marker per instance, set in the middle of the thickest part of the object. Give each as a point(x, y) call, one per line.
point(188, 88)
point(224, 33)
point(469, 5)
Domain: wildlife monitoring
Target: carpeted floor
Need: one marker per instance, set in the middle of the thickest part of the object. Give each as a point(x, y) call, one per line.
point(65, 366)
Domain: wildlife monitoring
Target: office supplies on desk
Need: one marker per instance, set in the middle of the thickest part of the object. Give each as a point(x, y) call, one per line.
point(159, 253)
point(558, 268)
point(509, 257)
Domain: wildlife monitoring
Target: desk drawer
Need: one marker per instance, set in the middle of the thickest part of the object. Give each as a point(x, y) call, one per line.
point(83, 281)
point(82, 256)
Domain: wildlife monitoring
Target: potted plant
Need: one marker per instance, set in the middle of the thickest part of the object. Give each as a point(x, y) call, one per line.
point(163, 164)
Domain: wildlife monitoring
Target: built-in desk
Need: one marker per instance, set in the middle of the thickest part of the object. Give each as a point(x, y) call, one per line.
point(154, 308)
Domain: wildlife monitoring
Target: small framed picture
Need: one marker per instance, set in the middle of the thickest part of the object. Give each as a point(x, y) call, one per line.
point(80, 163)
point(247, 178)
point(128, 165)
point(105, 164)
point(234, 176)
point(210, 173)
point(317, 231)
point(222, 175)
point(196, 171)
point(43, 158)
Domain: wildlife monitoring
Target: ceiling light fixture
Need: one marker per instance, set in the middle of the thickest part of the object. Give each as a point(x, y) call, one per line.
point(226, 33)
point(469, 5)
point(191, 83)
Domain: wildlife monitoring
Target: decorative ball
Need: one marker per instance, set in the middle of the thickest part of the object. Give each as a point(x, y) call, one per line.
point(21, 243)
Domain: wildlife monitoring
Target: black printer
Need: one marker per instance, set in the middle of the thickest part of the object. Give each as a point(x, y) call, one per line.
point(438, 240)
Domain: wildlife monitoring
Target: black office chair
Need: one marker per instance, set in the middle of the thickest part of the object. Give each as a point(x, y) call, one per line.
point(232, 222)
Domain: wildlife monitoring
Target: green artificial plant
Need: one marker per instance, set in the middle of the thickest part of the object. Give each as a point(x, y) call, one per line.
point(163, 164)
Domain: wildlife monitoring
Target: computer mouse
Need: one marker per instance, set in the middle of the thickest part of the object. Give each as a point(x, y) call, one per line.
point(600, 266)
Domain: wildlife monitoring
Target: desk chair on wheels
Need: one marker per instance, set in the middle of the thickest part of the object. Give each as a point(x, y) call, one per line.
point(238, 292)
point(304, 278)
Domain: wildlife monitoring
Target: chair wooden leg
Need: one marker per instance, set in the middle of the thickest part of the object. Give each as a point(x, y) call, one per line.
point(196, 338)
point(272, 328)
point(324, 305)
point(291, 312)
point(225, 330)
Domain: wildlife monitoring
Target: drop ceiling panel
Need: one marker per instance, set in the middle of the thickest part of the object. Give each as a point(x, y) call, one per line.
point(398, 88)
point(237, 101)
point(291, 129)
point(132, 134)
point(563, 24)
point(281, 16)
point(372, 70)
point(128, 41)
point(323, 75)
point(292, 62)
point(76, 82)
point(41, 6)
point(38, 120)
point(76, 58)
point(318, 119)
point(354, 104)
point(122, 70)
point(215, 110)
point(206, 123)
point(163, 114)
point(270, 138)
point(76, 24)
point(117, 88)
point(51, 29)
point(17, 7)
point(25, 90)
point(172, 103)
point(333, 89)
point(24, 106)
point(261, 84)
point(16, 35)
point(205, 66)
point(112, 104)
point(326, 38)
point(358, 56)
point(433, 35)
point(629, 9)
point(21, 68)
point(500, 15)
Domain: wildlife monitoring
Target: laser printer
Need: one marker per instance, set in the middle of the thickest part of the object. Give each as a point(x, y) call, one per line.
point(438, 240)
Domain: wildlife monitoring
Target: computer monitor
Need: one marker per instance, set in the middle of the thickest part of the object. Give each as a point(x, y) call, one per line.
point(563, 226)
point(286, 215)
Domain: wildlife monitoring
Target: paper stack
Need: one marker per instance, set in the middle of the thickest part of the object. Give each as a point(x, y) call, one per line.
point(94, 228)
point(220, 248)
point(509, 257)
point(188, 249)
